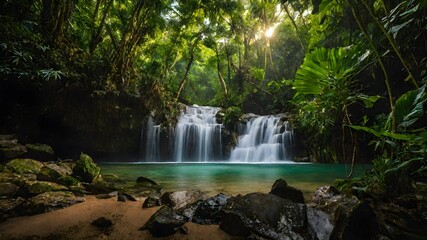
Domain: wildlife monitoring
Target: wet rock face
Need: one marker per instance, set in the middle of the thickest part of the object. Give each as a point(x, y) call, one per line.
point(164, 222)
point(281, 189)
point(265, 216)
point(179, 199)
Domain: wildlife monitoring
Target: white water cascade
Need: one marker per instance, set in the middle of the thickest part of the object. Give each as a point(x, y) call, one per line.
point(198, 135)
point(152, 151)
point(263, 139)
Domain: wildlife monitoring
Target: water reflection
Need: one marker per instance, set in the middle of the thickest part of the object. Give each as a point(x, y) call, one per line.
point(232, 178)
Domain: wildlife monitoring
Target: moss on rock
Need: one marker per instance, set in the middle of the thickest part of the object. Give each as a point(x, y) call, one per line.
point(69, 181)
point(86, 169)
point(37, 187)
point(21, 166)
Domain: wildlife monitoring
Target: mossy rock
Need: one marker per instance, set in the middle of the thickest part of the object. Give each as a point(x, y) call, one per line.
point(42, 152)
point(52, 172)
point(11, 152)
point(21, 166)
point(37, 187)
point(8, 189)
point(16, 179)
point(69, 181)
point(86, 169)
point(50, 201)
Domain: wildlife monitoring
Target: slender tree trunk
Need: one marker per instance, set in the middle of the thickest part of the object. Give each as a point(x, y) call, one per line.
point(96, 37)
point(187, 70)
point(285, 6)
point(220, 78)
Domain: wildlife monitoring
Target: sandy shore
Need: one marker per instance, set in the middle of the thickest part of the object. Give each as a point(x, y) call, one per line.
point(75, 223)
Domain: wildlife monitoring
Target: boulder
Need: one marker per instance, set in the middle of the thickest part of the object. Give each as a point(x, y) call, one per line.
point(209, 210)
point(164, 222)
point(179, 199)
point(102, 223)
point(9, 207)
point(12, 150)
point(329, 199)
point(68, 181)
point(41, 152)
point(52, 172)
point(85, 169)
point(21, 166)
point(320, 223)
point(37, 187)
point(281, 189)
point(146, 182)
point(123, 197)
point(8, 189)
point(14, 178)
point(265, 216)
point(355, 222)
point(152, 200)
point(50, 201)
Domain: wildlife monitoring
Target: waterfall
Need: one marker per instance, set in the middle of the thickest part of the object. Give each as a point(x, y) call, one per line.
point(198, 135)
point(263, 139)
point(152, 145)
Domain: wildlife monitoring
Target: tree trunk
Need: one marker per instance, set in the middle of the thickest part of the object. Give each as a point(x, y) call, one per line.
point(220, 78)
point(187, 70)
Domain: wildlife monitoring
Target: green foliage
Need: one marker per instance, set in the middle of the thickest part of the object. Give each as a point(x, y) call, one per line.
point(407, 150)
point(231, 116)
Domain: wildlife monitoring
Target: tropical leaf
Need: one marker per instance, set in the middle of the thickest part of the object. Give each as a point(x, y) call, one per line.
point(409, 107)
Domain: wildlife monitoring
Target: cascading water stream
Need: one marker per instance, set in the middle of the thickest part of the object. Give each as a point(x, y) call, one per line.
point(263, 139)
point(152, 151)
point(198, 135)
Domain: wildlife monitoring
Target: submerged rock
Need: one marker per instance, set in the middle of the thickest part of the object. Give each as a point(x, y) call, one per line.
point(281, 189)
point(179, 199)
point(164, 222)
point(85, 169)
point(143, 181)
point(50, 201)
point(24, 165)
point(260, 216)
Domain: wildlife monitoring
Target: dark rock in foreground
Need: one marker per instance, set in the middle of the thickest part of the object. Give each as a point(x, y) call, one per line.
point(357, 222)
point(208, 211)
point(281, 189)
point(103, 222)
point(164, 222)
point(179, 199)
point(258, 215)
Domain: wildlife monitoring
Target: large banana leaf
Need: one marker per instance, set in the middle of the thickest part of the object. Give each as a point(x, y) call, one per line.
point(324, 70)
point(410, 107)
